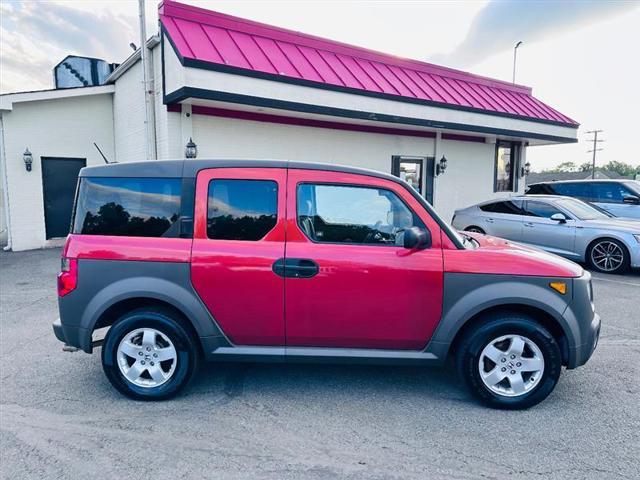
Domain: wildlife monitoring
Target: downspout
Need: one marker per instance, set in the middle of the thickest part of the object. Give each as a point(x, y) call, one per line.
point(149, 114)
point(5, 185)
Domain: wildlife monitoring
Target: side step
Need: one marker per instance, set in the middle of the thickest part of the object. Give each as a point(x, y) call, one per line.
point(324, 355)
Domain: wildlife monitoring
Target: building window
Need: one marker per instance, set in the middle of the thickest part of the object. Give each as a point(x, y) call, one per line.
point(506, 166)
point(353, 215)
point(241, 209)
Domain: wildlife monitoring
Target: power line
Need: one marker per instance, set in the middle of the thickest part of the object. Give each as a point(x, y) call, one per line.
point(595, 149)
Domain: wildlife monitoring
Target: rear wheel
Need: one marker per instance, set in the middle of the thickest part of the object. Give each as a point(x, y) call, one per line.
point(148, 355)
point(608, 256)
point(474, 229)
point(509, 361)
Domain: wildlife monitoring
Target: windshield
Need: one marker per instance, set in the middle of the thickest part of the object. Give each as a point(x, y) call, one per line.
point(582, 210)
point(633, 185)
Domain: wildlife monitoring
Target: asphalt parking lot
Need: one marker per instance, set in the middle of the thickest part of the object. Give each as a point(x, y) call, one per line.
point(60, 418)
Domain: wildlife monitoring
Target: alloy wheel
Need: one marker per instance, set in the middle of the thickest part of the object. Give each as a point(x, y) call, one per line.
point(511, 365)
point(607, 256)
point(146, 357)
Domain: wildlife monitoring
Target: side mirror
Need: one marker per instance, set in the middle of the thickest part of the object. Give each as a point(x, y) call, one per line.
point(631, 199)
point(559, 217)
point(416, 237)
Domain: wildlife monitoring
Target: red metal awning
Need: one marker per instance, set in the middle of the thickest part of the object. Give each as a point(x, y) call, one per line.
point(203, 38)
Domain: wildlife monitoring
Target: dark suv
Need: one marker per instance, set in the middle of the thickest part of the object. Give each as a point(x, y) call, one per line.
point(620, 198)
point(281, 261)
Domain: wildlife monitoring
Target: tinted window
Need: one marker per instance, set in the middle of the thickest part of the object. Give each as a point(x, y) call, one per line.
point(510, 207)
point(135, 207)
point(346, 214)
point(579, 190)
point(539, 209)
point(610, 192)
point(241, 209)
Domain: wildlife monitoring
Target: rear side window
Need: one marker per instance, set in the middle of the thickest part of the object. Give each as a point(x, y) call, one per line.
point(241, 209)
point(350, 214)
point(511, 207)
point(134, 207)
point(540, 209)
point(579, 190)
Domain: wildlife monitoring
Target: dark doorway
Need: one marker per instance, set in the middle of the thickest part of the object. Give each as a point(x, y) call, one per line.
point(59, 180)
point(414, 170)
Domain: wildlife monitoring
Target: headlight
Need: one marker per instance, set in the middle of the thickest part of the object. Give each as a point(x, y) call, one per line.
point(637, 237)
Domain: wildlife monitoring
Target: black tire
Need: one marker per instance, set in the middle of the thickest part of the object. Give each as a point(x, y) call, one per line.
point(165, 322)
point(622, 268)
point(494, 326)
point(473, 228)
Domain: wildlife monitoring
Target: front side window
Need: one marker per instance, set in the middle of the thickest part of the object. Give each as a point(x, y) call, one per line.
point(540, 209)
point(511, 207)
point(134, 207)
point(355, 215)
point(609, 192)
point(506, 164)
point(241, 209)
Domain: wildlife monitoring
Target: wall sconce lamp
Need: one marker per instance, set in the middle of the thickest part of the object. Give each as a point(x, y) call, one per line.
point(27, 156)
point(441, 166)
point(526, 170)
point(191, 149)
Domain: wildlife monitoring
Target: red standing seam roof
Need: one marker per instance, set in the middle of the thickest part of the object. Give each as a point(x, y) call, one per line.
point(218, 39)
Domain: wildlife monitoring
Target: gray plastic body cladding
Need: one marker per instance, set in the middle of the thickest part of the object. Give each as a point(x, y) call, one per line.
point(103, 283)
point(466, 295)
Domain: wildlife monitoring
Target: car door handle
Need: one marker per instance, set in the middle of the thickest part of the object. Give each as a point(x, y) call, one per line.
point(295, 268)
point(528, 224)
point(489, 220)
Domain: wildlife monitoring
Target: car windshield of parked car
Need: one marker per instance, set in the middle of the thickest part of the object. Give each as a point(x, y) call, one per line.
point(634, 186)
point(581, 210)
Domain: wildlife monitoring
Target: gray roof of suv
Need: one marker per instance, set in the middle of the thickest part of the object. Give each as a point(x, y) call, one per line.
point(190, 168)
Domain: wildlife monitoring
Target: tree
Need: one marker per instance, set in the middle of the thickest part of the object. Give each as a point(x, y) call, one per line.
point(622, 168)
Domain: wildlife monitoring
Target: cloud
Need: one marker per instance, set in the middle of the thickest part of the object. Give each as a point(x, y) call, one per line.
point(35, 36)
point(500, 24)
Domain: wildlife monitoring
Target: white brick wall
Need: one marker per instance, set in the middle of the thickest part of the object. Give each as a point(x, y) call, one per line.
point(468, 179)
point(53, 128)
point(128, 114)
point(167, 123)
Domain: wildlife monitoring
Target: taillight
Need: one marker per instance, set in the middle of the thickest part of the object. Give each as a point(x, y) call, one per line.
point(68, 276)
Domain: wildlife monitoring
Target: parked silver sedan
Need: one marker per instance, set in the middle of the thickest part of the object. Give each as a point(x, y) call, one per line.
point(562, 225)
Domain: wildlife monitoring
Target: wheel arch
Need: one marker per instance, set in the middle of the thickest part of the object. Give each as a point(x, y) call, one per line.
point(111, 302)
point(600, 238)
point(469, 298)
point(537, 314)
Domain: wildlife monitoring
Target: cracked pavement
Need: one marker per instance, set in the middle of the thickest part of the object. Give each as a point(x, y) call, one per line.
point(60, 418)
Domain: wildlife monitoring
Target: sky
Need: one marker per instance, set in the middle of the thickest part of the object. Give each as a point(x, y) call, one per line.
point(581, 57)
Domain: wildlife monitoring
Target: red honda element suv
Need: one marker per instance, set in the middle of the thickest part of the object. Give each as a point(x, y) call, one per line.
point(279, 261)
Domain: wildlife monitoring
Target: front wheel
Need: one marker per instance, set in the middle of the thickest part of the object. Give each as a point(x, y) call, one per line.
point(148, 355)
point(509, 361)
point(608, 256)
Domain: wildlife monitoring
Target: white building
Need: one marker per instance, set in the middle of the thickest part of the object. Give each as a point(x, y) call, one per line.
point(241, 89)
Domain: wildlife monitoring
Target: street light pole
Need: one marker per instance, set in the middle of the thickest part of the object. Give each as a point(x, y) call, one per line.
point(515, 54)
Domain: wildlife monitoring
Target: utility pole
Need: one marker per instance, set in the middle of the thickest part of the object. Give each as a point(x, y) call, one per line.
point(515, 56)
point(595, 149)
